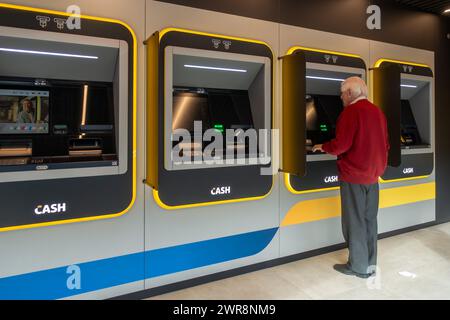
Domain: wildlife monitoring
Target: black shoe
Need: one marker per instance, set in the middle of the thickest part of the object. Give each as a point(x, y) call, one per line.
point(343, 268)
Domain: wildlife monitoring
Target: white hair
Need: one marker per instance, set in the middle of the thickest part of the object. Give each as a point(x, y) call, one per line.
point(357, 87)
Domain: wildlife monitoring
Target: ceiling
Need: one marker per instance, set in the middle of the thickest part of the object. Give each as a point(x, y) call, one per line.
point(433, 6)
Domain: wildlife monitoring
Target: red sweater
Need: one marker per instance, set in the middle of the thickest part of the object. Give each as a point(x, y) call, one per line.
point(361, 143)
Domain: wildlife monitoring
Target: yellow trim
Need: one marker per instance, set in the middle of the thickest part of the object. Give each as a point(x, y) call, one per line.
point(380, 61)
point(403, 179)
point(287, 183)
point(212, 203)
point(293, 49)
point(326, 208)
point(133, 199)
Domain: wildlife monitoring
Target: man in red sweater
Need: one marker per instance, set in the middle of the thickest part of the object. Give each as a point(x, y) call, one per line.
point(361, 145)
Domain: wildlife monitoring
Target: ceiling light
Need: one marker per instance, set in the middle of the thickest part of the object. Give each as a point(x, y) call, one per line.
point(214, 68)
point(408, 86)
point(323, 78)
point(48, 53)
point(447, 11)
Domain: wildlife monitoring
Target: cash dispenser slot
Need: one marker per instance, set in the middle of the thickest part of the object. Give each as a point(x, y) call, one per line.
point(15, 152)
point(85, 147)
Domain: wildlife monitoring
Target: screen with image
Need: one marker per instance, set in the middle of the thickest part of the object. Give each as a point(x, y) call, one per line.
point(24, 111)
point(322, 112)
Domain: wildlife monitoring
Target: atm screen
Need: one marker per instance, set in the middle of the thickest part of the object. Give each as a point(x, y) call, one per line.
point(312, 121)
point(215, 108)
point(60, 122)
point(332, 105)
point(322, 112)
point(189, 107)
point(24, 111)
point(410, 133)
point(230, 109)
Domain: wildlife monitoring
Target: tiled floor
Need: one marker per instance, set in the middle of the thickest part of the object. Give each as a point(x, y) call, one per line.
point(415, 265)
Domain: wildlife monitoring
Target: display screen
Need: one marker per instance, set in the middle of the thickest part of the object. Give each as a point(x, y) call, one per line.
point(231, 109)
point(407, 115)
point(312, 121)
point(410, 133)
point(64, 121)
point(215, 108)
point(24, 111)
point(322, 112)
point(189, 107)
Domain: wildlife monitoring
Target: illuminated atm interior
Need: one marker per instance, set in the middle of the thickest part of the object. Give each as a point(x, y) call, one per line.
point(415, 113)
point(58, 104)
point(221, 91)
point(323, 105)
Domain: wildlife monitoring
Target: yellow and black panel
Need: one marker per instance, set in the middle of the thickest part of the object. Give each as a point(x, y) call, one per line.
point(67, 118)
point(204, 77)
point(152, 110)
point(387, 96)
point(294, 114)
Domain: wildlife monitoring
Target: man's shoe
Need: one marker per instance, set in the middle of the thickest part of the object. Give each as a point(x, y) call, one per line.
point(343, 268)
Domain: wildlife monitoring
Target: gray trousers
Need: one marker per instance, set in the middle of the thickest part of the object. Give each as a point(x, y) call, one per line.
point(359, 204)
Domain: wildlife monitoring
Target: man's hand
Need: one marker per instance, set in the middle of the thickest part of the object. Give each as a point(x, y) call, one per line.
point(317, 147)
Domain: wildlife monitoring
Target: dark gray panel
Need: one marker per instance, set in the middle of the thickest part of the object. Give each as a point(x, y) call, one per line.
point(294, 114)
point(413, 165)
point(318, 174)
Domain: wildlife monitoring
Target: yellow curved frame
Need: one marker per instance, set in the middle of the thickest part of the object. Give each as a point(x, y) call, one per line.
point(109, 216)
point(287, 181)
point(211, 203)
point(377, 65)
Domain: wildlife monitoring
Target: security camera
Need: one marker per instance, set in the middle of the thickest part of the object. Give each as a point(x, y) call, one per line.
point(60, 23)
point(43, 21)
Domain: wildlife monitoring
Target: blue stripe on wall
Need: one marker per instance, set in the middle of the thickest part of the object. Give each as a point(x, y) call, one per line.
point(52, 284)
point(204, 253)
point(106, 273)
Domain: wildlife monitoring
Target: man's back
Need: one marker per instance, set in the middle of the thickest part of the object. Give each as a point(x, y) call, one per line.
point(361, 143)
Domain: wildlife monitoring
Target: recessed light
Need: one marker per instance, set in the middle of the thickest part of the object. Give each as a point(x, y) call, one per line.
point(48, 53)
point(213, 68)
point(324, 78)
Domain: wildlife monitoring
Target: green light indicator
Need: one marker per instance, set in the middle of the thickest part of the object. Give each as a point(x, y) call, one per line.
point(323, 128)
point(219, 127)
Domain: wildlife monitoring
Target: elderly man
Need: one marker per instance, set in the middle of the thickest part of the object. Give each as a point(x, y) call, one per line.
point(361, 145)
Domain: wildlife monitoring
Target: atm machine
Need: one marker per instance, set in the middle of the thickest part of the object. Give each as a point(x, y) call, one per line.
point(405, 93)
point(67, 134)
point(311, 106)
point(208, 105)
